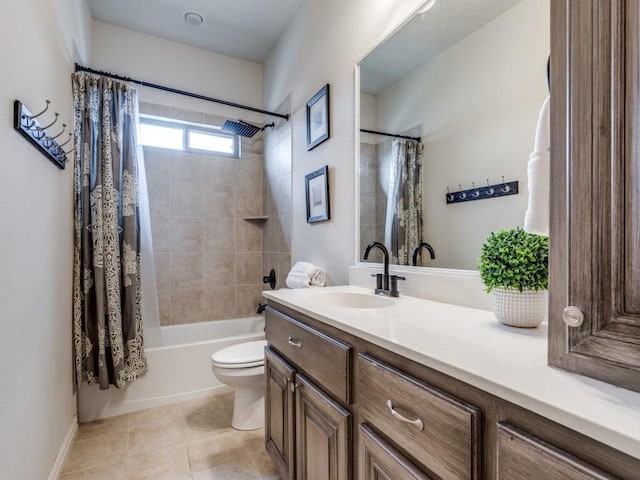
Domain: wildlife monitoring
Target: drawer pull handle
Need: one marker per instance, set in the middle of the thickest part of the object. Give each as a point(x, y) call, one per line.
point(294, 343)
point(417, 422)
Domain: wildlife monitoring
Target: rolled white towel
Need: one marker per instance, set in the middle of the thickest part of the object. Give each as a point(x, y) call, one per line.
point(304, 275)
point(536, 219)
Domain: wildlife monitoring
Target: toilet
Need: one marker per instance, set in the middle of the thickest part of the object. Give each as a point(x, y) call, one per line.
point(242, 366)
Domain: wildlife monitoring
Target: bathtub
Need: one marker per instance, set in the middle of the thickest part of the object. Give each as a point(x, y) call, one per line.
point(179, 370)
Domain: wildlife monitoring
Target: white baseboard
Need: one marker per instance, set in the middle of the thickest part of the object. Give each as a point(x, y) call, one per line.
point(56, 470)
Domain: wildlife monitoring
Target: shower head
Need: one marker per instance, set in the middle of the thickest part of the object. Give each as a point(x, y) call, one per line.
point(243, 128)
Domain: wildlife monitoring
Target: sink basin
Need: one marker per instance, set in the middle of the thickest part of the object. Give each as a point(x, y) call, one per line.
point(352, 300)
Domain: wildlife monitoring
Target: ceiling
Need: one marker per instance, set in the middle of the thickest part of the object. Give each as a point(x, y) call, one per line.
point(425, 36)
point(246, 29)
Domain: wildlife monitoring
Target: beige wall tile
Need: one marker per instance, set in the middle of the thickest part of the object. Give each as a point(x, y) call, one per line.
point(187, 198)
point(253, 145)
point(249, 170)
point(160, 233)
point(186, 115)
point(249, 236)
point(248, 268)
point(187, 270)
point(247, 299)
point(221, 303)
point(249, 201)
point(159, 196)
point(154, 109)
point(187, 305)
point(211, 119)
point(164, 306)
point(281, 192)
point(220, 269)
point(162, 262)
point(187, 234)
point(157, 162)
point(188, 166)
point(220, 235)
point(220, 170)
point(220, 201)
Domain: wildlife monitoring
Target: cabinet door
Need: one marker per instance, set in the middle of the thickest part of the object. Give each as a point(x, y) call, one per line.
point(595, 188)
point(522, 456)
point(323, 435)
point(279, 413)
point(377, 460)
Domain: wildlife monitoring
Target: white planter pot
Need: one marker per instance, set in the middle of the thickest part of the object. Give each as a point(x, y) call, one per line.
point(525, 309)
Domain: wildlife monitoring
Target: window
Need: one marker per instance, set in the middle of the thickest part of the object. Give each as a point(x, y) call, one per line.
point(188, 137)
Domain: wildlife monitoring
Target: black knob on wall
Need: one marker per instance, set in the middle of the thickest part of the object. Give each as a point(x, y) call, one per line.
point(271, 279)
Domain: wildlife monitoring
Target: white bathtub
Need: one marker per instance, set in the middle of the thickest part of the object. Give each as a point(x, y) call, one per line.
point(179, 370)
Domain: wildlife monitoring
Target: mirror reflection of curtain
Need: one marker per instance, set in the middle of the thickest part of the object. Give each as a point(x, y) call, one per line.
point(403, 219)
point(107, 319)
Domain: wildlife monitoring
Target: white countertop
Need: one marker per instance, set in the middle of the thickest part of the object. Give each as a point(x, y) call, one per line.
point(470, 345)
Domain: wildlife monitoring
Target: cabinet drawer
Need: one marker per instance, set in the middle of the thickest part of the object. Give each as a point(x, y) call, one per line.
point(522, 456)
point(323, 358)
point(436, 429)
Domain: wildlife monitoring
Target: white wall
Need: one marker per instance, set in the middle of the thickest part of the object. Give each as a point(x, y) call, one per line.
point(478, 121)
point(40, 41)
point(323, 45)
point(156, 60)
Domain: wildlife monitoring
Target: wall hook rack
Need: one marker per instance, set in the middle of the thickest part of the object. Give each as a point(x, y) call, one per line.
point(478, 193)
point(30, 127)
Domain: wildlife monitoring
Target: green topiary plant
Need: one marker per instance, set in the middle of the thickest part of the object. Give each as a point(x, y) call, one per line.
point(515, 259)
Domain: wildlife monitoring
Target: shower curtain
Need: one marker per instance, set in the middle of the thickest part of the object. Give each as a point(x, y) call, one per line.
point(107, 303)
point(403, 219)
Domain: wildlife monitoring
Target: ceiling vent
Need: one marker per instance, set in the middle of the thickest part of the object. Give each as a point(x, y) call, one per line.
point(194, 19)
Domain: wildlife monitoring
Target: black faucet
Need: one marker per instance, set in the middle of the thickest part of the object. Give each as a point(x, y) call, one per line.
point(416, 251)
point(382, 280)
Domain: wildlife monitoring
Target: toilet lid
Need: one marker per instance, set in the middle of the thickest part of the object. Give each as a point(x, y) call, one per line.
point(242, 355)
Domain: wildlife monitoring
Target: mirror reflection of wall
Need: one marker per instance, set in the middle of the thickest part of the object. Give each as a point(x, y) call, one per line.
point(468, 78)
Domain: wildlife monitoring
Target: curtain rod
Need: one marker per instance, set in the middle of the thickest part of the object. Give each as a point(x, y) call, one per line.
point(415, 139)
point(80, 68)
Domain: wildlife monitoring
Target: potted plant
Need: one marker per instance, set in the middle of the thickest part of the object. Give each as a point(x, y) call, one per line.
point(514, 266)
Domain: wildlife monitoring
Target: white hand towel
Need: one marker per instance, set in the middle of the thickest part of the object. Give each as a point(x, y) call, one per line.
point(304, 275)
point(536, 219)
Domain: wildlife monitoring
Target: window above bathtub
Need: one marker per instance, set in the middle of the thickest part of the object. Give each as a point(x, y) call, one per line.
point(188, 137)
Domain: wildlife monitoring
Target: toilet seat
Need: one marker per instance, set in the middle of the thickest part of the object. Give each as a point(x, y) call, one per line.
point(242, 355)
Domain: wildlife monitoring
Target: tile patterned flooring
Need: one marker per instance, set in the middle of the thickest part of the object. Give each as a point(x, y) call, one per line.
point(192, 440)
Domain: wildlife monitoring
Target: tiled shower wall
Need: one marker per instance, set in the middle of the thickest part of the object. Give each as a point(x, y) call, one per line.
point(208, 259)
point(277, 197)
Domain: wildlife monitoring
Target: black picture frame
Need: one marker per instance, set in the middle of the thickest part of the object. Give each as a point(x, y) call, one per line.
point(318, 118)
point(316, 189)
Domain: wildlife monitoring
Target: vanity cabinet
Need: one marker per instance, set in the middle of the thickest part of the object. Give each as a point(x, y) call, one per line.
point(307, 431)
point(595, 189)
point(383, 416)
point(522, 456)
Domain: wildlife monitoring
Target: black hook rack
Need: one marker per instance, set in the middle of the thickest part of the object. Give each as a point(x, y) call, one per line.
point(30, 127)
point(479, 193)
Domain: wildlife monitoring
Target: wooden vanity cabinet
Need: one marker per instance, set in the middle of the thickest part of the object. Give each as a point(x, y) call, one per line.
point(307, 431)
point(468, 434)
point(522, 456)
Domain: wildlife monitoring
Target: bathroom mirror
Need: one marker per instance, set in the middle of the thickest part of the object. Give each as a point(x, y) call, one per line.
point(468, 79)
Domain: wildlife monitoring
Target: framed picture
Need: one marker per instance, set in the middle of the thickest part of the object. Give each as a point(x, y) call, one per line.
point(318, 118)
point(317, 192)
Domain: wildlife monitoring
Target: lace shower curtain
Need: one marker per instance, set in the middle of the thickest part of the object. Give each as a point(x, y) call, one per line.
point(107, 319)
point(403, 220)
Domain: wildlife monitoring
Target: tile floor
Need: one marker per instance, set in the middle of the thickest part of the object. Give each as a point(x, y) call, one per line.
point(192, 440)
